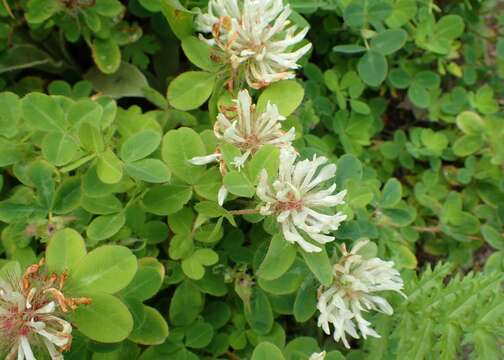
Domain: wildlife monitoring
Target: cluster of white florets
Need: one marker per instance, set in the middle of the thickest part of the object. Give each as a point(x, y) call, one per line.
point(255, 35)
point(356, 281)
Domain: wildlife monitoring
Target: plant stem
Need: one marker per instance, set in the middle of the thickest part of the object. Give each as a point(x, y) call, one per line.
point(232, 356)
point(431, 229)
point(244, 212)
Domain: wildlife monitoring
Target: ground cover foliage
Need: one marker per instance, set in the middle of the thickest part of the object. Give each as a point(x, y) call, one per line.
point(251, 179)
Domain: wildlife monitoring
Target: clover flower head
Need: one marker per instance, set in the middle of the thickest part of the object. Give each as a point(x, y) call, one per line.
point(356, 280)
point(248, 130)
point(31, 309)
point(296, 195)
point(256, 34)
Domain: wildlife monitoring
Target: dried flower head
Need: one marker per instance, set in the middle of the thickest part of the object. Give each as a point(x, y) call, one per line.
point(356, 280)
point(296, 195)
point(31, 311)
point(257, 35)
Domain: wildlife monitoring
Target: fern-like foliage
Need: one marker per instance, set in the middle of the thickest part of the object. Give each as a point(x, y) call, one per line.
point(445, 317)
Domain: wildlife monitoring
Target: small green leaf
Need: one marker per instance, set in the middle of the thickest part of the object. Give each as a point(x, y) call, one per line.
point(449, 27)
point(181, 246)
point(301, 347)
point(258, 312)
point(106, 55)
point(389, 41)
point(42, 112)
point(349, 49)
point(105, 226)
point(106, 269)
point(267, 351)
point(354, 15)
point(109, 167)
point(493, 237)
point(348, 168)
point(40, 174)
point(10, 114)
point(319, 265)
point(185, 304)
point(470, 123)
point(360, 107)
point(209, 184)
point(12, 212)
point(305, 303)
point(287, 95)
point(268, 158)
point(427, 79)
point(127, 81)
point(467, 145)
point(279, 258)
point(140, 145)
point(199, 53)
point(101, 205)
point(39, 11)
point(404, 257)
point(90, 137)
point(108, 8)
point(65, 249)
point(391, 194)
point(402, 12)
point(106, 319)
point(193, 266)
point(419, 95)
point(149, 170)
point(357, 14)
point(434, 141)
point(399, 78)
point(182, 221)
point(190, 90)
point(238, 184)
point(59, 149)
point(166, 199)
point(68, 196)
point(379, 11)
point(199, 335)
point(145, 284)
point(153, 330)
point(288, 283)
point(373, 68)
point(155, 97)
point(180, 146)
point(85, 111)
point(181, 21)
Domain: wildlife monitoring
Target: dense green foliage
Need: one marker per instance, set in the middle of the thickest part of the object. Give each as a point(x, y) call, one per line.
point(103, 103)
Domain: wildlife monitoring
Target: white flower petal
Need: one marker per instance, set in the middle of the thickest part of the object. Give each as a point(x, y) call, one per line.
point(24, 349)
point(203, 160)
point(222, 195)
point(53, 352)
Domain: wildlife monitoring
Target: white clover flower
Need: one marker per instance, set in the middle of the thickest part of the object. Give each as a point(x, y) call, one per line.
point(296, 194)
point(256, 34)
point(30, 315)
point(248, 130)
point(318, 356)
point(356, 280)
